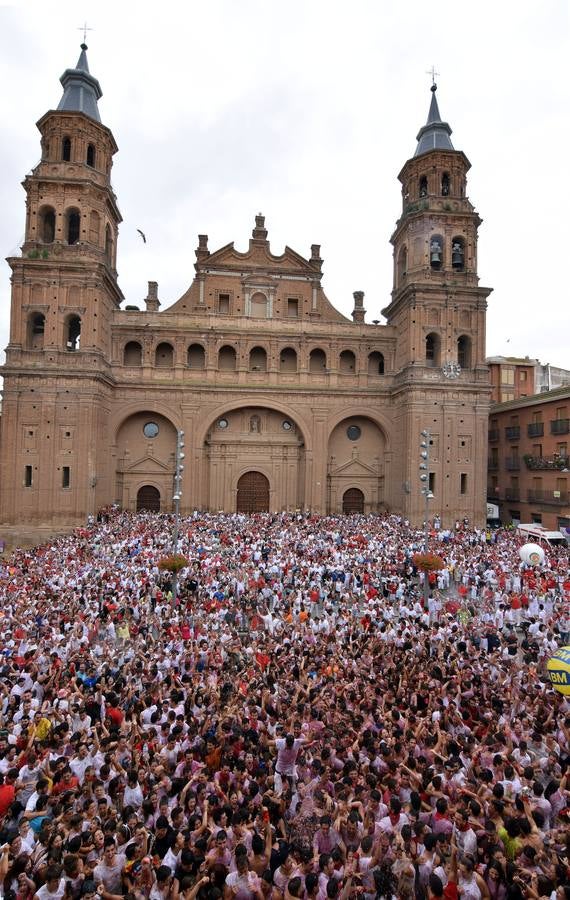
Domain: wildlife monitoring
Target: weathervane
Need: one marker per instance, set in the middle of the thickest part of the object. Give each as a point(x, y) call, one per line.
point(433, 73)
point(85, 28)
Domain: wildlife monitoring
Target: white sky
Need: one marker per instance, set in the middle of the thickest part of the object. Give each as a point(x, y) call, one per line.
point(306, 111)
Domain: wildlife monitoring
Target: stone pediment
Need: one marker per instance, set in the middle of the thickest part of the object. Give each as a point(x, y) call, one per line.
point(258, 256)
point(147, 465)
point(355, 468)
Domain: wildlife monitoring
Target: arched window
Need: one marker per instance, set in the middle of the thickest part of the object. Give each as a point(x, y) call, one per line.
point(464, 351)
point(445, 185)
point(402, 264)
point(132, 354)
point(47, 225)
point(257, 360)
point(423, 186)
point(458, 253)
point(288, 360)
point(318, 361)
point(66, 149)
point(376, 363)
point(73, 224)
point(227, 359)
point(258, 305)
point(109, 244)
point(164, 356)
point(432, 349)
point(436, 251)
point(196, 357)
point(73, 333)
point(347, 362)
point(91, 155)
point(36, 331)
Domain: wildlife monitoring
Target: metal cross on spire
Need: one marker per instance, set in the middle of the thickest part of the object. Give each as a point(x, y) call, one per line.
point(85, 28)
point(433, 73)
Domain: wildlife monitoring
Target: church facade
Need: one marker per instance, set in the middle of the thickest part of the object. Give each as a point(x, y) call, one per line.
point(285, 403)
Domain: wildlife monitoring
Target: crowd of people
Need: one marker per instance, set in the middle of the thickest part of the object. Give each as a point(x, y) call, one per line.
point(291, 718)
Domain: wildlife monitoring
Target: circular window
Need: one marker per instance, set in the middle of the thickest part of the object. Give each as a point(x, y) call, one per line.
point(286, 425)
point(222, 423)
point(353, 432)
point(150, 430)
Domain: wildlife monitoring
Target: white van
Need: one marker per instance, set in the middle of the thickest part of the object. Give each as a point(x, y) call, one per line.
point(541, 535)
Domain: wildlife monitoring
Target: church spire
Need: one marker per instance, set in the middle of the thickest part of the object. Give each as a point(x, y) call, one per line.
point(81, 90)
point(435, 134)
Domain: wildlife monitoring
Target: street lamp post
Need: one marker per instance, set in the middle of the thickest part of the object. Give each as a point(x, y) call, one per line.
point(427, 494)
point(179, 468)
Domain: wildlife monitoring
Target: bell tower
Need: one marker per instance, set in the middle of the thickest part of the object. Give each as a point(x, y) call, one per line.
point(438, 310)
point(72, 222)
point(64, 293)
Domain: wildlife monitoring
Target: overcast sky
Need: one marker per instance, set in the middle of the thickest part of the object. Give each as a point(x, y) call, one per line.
point(306, 111)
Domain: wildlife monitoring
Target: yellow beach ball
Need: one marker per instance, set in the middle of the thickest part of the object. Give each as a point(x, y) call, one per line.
point(558, 667)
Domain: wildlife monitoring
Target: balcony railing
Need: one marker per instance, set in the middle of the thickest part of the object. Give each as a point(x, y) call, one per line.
point(494, 434)
point(542, 496)
point(512, 494)
point(560, 426)
point(535, 429)
point(555, 461)
point(512, 463)
point(492, 465)
point(513, 432)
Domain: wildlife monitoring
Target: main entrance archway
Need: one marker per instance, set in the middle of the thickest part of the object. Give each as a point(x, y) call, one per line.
point(352, 501)
point(148, 497)
point(253, 493)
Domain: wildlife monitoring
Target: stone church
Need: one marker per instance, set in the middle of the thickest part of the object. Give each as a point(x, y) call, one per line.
point(285, 403)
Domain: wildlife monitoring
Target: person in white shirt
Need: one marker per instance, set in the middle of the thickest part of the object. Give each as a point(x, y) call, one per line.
point(54, 887)
point(42, 786)
point(285, 766)
point(80, 721)
point(465, 836)
point(81, 763)
point(133, 795)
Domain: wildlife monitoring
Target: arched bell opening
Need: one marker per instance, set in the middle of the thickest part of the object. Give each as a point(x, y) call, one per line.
point(458, 254)
point(436, 252)
point(72, 333)
point(464, 351)
point(36, 331)
point(433, 349)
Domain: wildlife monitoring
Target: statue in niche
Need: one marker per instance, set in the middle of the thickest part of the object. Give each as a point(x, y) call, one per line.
point(254, 425)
